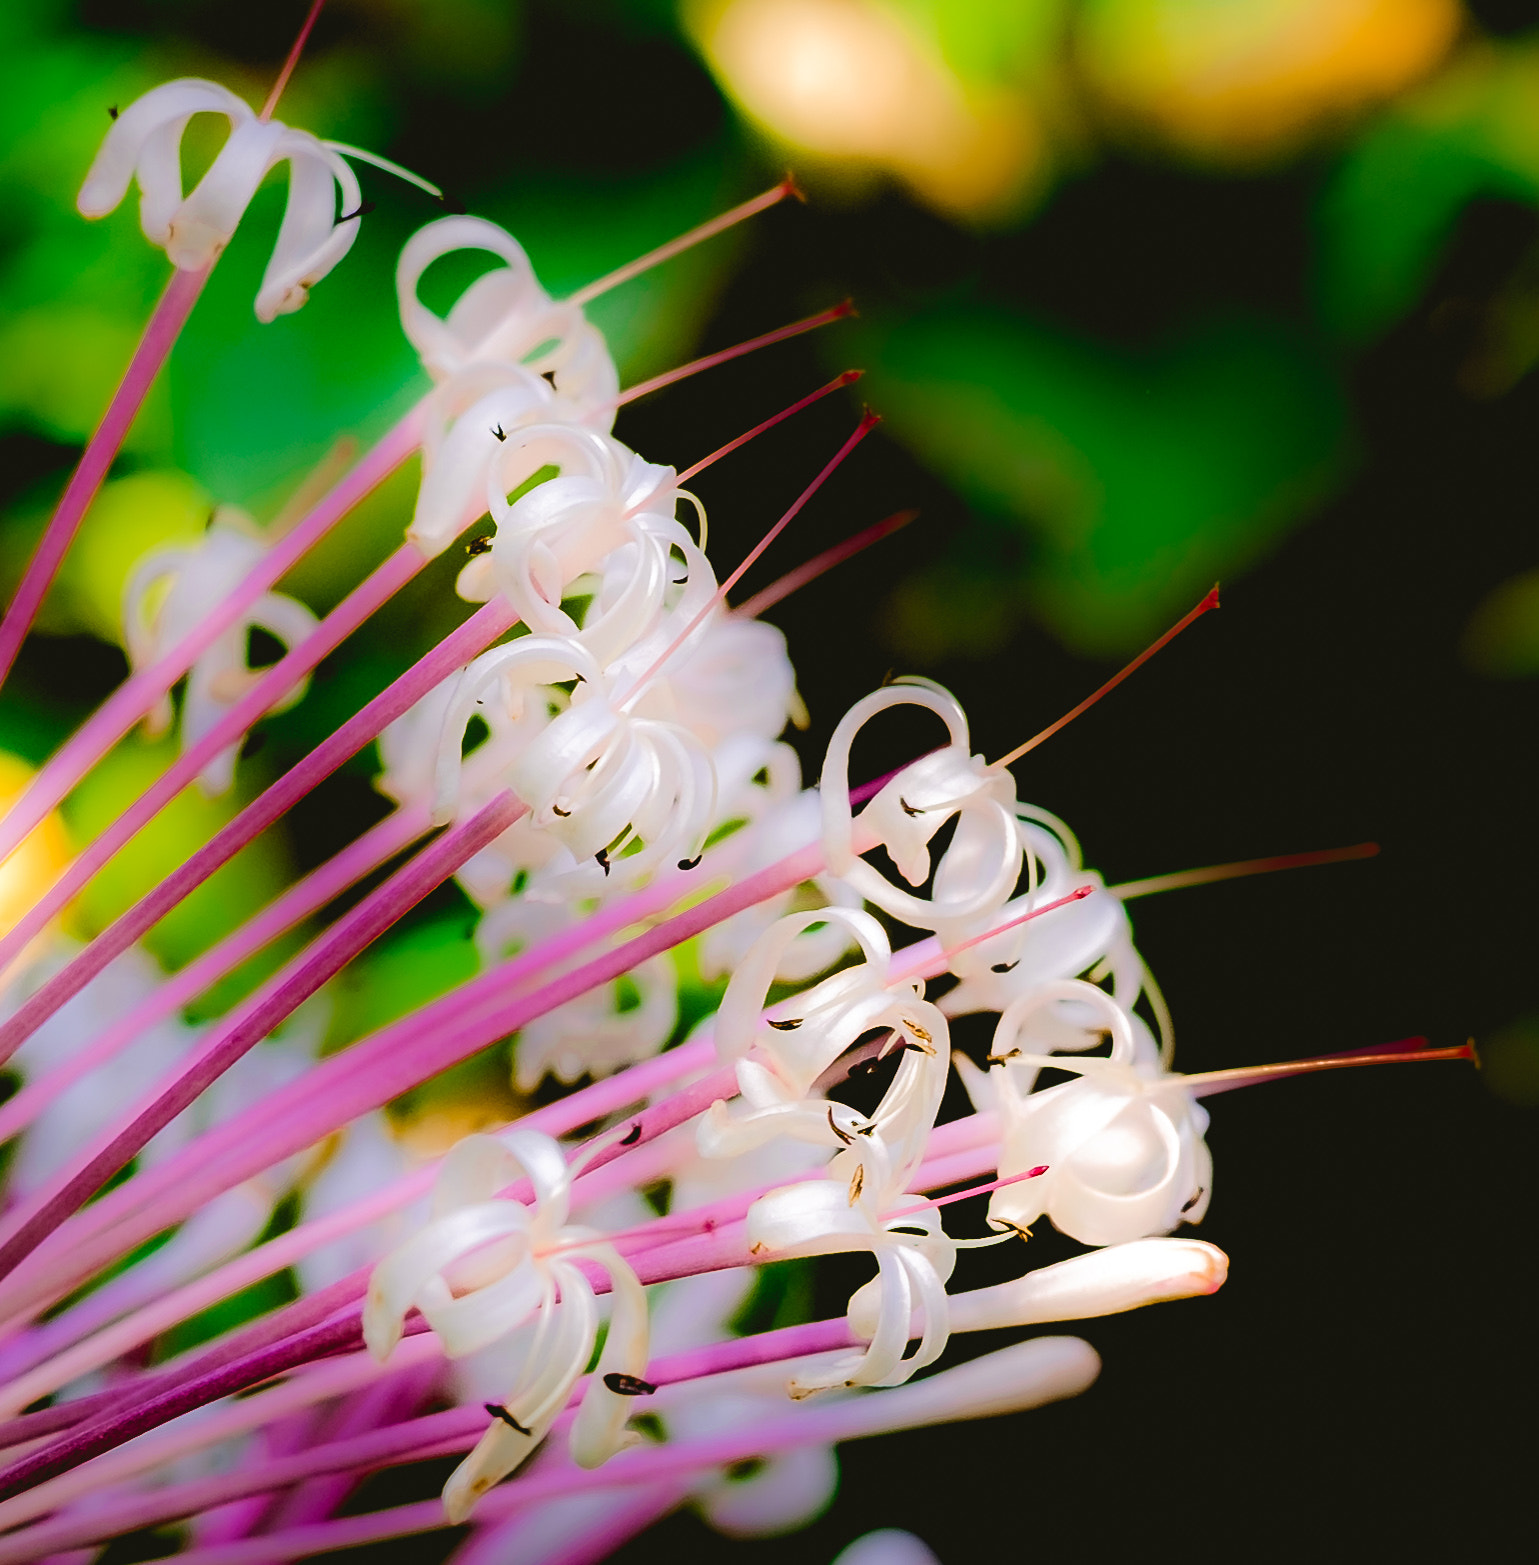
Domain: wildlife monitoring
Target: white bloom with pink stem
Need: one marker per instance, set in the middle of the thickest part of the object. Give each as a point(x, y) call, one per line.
point(1123, 1143)
point(144, 145)
point(503, 318)
point(778, 1059)
point(483, 1267)
point(980, 866)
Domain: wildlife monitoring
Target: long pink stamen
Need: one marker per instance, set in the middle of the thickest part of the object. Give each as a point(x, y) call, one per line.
point(1077, 895)
point(848, 378)
point(1240, 868)
point(1209, 1082)
point(1209, 602)
point(321, 886)
point(397, 1058)
point(367, 1075)
point(164, 326)
point(27, 1225)
point(820, 564)
point(864, 428)
point(436, 1433)
point(473, 636)
point(726, 355)
point(308, 1329)
point(139, 693)
point(269, 689)
point(820, 1423)
point(293, 59)
point(965, 1195)
point(698, 235)
point(449, 1030)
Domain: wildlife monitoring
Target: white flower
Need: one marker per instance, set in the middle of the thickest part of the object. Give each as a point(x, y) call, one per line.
point(167, 596)
point(606, 519)
point(504, 357)
point(779, 1059)
point(503, 317)
point(914, 1260)
point(1100, 1282)
point(1089, 934)
point(736, 681)
point(622, 792)
point(144, 144)
point(460, 424)
point(486, 1265)
point(408, 749)
point(979, 869)
point(608, 1027)
point(1123, 1144)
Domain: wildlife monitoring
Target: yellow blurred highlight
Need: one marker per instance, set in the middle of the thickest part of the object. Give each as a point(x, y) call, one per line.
point(1245, 81)
point(849, 82)
point(477, 1098)
point(38, 862)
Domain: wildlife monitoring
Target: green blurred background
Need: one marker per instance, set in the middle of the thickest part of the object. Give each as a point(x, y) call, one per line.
point(1151, 292)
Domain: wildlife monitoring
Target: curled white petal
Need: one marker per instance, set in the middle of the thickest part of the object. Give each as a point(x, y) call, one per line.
point(1123, 1143)
point(504, 316)
point(144, 144)
point(980, 867)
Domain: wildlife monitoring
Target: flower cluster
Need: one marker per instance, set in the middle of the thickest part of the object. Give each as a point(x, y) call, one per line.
point(599, 748)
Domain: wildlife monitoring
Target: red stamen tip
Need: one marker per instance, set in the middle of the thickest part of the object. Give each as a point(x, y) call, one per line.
point(849, 377)
point(869, 420)
point(789, 187)
point(845, 307)
point(1209, 602)
point(1081, 893)
point(1471, 1053)
point(1035, 1173)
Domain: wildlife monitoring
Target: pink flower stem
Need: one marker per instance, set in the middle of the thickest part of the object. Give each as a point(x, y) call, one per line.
point(605, 1524)
point(321, 886)
point(373, 1072)
point(41, 1214)
point(369, 1075)
point(555, 1119)
point(438, 1433)
point(820, 1423)
point(161, 331)
point(268, 1408)
point(390, 1400)
point(308, 1237)
point(595, 1101)
point(274, 684)
point(457, 649)
point(137, 695)
point(956, 1151)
